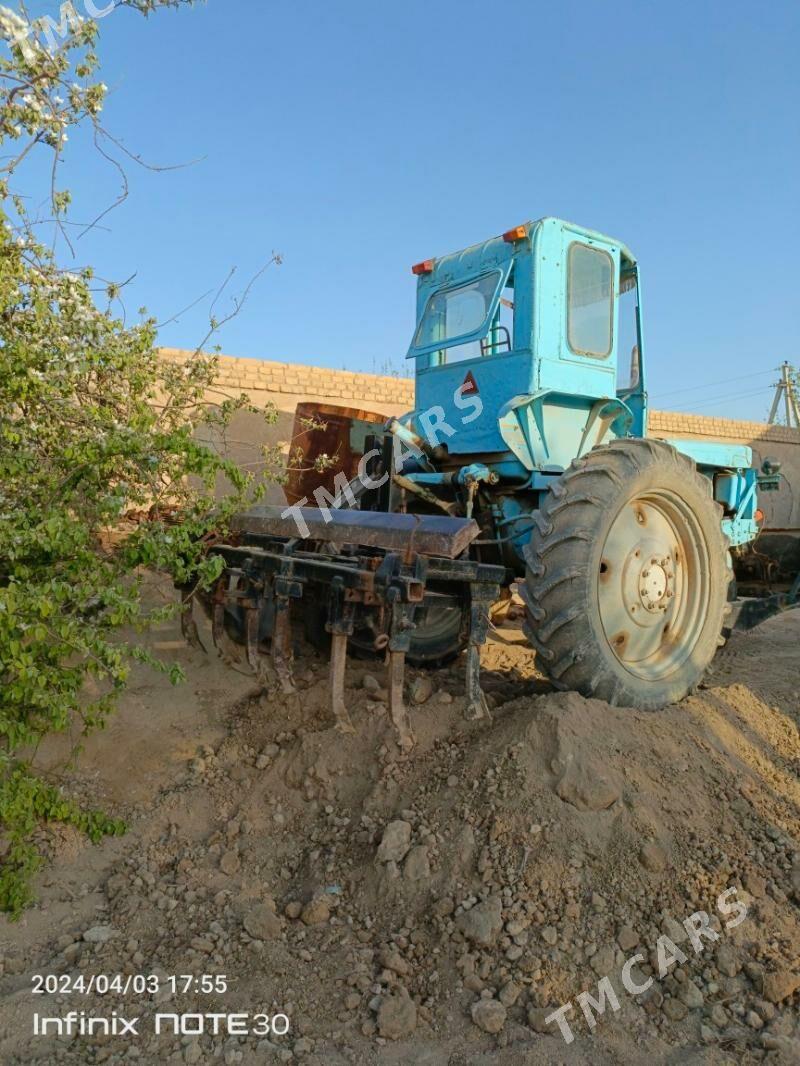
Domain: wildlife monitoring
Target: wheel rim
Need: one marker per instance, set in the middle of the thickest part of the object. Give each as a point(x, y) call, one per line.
point(654, 584)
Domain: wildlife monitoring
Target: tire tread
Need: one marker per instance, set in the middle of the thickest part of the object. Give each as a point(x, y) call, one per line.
point(558, 555)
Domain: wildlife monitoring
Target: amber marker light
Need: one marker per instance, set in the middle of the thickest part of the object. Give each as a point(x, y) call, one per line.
point(518, 233)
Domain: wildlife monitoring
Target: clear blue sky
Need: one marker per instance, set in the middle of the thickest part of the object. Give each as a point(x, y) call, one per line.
point(357, 138)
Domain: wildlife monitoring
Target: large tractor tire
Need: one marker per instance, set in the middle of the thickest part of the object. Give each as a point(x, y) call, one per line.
point(627, 576)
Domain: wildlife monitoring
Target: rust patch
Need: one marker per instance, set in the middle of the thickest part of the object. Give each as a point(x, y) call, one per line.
point(335, 431)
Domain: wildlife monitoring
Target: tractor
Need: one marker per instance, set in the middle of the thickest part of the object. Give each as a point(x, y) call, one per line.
point(527, 460)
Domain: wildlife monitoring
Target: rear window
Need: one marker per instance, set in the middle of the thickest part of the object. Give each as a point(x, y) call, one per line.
point(590, 300)
point(457, 312)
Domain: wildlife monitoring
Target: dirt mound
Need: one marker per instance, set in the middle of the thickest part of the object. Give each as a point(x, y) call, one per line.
point(437, 908)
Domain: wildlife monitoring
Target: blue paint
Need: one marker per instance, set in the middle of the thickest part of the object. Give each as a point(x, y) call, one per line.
point(715, 453)
point(516, 365)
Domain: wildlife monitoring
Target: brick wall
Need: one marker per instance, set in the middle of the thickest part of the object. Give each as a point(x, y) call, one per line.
point(283, 380)
point(679, 424)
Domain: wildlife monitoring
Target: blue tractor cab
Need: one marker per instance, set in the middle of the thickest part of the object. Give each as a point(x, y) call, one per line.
point(541, 331)
point(540, 302)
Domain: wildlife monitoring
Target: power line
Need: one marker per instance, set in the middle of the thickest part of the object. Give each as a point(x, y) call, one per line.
point(724, 399)
point(713, 384)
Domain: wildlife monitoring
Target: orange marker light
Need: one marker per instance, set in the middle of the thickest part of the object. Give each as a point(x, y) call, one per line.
point(759, 515)
point(425, 267)
point(518, 233)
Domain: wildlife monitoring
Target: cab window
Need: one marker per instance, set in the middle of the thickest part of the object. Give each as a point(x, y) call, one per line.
point(590, 300)
point(458, 312)
point(628, 369)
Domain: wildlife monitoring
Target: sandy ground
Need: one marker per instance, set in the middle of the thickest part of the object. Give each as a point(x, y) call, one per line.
point(432, 909)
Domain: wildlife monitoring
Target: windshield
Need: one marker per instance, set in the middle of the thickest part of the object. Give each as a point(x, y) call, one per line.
point(457, 312)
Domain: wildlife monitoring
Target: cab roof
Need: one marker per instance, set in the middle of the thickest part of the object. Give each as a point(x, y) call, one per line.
point(501, 248)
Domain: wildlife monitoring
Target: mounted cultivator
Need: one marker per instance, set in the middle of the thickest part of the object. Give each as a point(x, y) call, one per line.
point(524, 461)
point(403, 567)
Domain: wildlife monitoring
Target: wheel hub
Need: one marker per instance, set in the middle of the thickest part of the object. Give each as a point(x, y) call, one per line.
point(656, 584)
point(647, 579)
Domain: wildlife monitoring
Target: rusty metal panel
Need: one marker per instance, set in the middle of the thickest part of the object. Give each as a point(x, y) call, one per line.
point(422, 534)
point(325, 429)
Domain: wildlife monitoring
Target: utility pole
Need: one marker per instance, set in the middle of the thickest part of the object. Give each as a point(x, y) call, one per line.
point(786, 390)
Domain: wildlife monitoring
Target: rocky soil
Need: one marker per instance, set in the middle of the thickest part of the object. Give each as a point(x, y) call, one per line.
point(436, 908)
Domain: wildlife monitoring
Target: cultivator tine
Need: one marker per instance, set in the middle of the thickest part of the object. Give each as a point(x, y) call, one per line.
point(252, 619)
point(282, 646)
point(338, 660)
point(188, 624)
point(481, 599)
point(397, 707)
point(252, 632)
point(477, 706)
point(402, 625)
point(340, 627)
point(226, 649)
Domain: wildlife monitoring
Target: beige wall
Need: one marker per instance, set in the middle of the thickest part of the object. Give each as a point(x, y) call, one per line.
point(284, 385)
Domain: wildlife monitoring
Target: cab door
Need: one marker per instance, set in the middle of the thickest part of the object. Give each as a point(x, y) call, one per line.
point(578, 331)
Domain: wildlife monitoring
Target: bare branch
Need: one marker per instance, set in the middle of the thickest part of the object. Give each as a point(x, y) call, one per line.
point(123, 196)
point(188, 307)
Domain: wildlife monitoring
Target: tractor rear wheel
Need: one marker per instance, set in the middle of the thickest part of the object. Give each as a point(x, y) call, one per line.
point(627, 577)
point(440, 635)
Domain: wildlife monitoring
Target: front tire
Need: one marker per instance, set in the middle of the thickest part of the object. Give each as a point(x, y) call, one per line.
point(626, 576)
